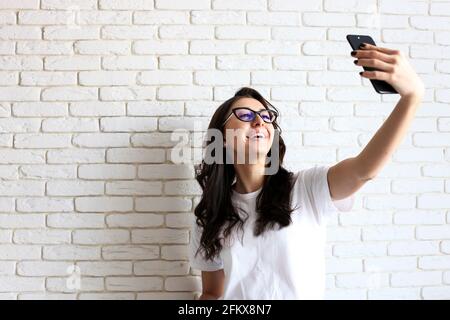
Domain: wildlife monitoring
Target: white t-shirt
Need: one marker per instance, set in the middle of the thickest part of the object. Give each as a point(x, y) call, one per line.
point(287, 263)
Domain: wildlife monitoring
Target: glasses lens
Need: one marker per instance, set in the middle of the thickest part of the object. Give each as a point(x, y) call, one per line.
point(268, 115)
point(245, 114)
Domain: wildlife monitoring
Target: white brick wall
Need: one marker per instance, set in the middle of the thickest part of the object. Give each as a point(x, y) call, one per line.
point(90, 91)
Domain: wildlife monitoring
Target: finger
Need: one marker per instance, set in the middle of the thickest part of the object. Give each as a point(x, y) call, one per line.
point(378, 75)
point(371, 54)
point(381, 49)
point(375, 63)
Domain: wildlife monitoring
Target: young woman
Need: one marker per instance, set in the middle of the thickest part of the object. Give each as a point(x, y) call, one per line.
point(261, 236)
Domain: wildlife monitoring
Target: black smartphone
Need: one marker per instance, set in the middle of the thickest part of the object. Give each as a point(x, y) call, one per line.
point(380, 86)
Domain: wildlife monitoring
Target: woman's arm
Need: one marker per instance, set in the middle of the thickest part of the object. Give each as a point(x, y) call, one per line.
point(347, 176)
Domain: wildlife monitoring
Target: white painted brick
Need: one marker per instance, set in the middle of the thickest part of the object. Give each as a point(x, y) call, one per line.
point(103, 204)
point(19, 94)
point(162, 17)
point(334, 265)
point(286, 5)
point(105, 268)
point(20, 32)
point(166, 171)
point(178, 220)
point(99, 140)
point(64, 33)
point(163, 236)
point(156, 139)
point(74, 188)
point(128, 93)
point(45, 17)
point(69, 94)
point(239, 62)
point(391, 202)
point(413, 248)
point(434, 262)
point(165, 77)
point(433, 232)
point(381, 264)
point(134, 283)
point(127, 124)
point(146, 62)
point(413, 279)
point(22, 156)
point(21, 188)
point(7, 268)
point(135, 155)
point(39, 109)
point(186, 187)
point(100, 236)
point(166, 296)
point(186, 62)
point(44, 205)
point(394, 294)
point(69, 4)
point(362, 280)
point(140, 220)
point(182, 284)
point(186, 123)
point(130, 252)
point(180, 5)
point(42, 268)
point(71, 252)
point(162, 204)
point(70, 125)
point(73, 221)
point(387, 233)
point(9, 78)
point(445, 246)
point(133, 188)
point(345, 294)
point(418, 154)
point(56, 284)
point(339, 234)
point(71, 63)
point(76, 156)
point(41, 141)
point(194, 32)
point(15, 283)
point(7, 204)
point(19, 125)
point(21, 63)
point(155, 108)
point(403, 7)
point(372, 249)
point(435, 293)
point(107, 296)
point(160, 267)
point(106, 171)
point(13, 221)
point(97, 109)
point(128, 32)
point(106, 78)
point(419, 217)
point(44, 47)
point(433, 201)
point(174, 252)
point(125, 5)
point(160, 47)
point(18, 252)
point(41, 236)
point(106, 47)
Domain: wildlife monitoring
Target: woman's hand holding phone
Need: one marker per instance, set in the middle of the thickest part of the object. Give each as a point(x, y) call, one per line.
point(392, 66)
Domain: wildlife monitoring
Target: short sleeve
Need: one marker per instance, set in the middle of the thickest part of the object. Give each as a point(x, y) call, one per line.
point(316, 184)
point(198, 261)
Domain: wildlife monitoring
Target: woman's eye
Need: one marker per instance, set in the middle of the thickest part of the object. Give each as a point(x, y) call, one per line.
point(246, 116)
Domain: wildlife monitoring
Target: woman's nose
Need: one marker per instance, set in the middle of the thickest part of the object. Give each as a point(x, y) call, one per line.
point(258, 120)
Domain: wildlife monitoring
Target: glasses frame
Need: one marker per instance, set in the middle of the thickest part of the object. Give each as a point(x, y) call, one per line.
point(254, 112)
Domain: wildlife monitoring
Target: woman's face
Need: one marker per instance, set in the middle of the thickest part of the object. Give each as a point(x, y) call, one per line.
point(244, 132)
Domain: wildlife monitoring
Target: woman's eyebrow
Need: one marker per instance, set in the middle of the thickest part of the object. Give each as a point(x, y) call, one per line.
point(249, 108)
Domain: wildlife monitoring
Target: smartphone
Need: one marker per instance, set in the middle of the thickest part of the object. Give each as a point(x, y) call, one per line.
point(380, 86)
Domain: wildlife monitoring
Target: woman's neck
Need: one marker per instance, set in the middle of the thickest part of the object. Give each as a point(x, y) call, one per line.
point(249, 177)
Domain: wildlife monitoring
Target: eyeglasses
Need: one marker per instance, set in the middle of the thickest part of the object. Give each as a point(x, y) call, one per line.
point(248, 115)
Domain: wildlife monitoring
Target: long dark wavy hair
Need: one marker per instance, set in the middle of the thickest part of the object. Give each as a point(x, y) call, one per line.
point(215, 210)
